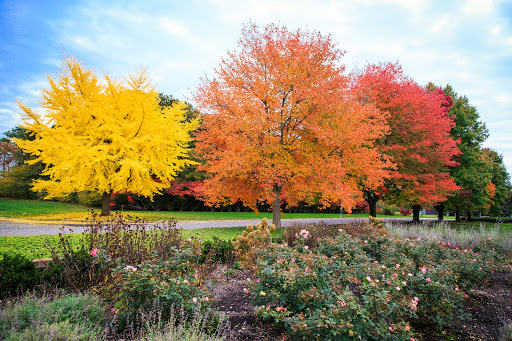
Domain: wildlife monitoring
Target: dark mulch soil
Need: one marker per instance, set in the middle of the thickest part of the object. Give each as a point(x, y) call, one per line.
point(237, 307)
point(490, 307)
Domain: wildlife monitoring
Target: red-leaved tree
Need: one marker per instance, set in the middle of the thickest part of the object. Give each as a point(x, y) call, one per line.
point(418, 141)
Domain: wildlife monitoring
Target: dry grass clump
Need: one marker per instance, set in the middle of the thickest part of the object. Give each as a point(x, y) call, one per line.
point(442, 232)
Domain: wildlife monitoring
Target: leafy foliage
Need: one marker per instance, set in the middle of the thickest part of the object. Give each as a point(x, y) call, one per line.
point(473, 171)
point(280, 124)
point(105, 136)
point(418, 141)
point(252, 240)
point(67, 317)
point(371, 287)
point(501, 181)
point(17, 274)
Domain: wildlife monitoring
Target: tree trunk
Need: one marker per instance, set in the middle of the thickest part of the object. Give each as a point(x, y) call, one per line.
point(372, 198)
point(440, 212)
point(105, 204)
point(470, 217)
point(457, 216)
point(416, 213)
point(276, 206)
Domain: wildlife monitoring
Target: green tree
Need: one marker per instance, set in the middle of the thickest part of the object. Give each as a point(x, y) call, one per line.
point(105, 136)
point(473, 172)
point(17, 180)
point(501, 181)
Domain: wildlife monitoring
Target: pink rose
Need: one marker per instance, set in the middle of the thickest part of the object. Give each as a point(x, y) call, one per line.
point(94, 252)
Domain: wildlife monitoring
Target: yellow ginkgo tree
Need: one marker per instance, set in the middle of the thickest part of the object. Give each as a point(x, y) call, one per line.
point(105, 136)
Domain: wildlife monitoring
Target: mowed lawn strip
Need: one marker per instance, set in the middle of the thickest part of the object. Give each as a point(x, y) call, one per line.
point(58, 211)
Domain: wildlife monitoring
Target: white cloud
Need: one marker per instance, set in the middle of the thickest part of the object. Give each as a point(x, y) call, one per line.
point(478, 7)
point(465, 44)
point(172, 27)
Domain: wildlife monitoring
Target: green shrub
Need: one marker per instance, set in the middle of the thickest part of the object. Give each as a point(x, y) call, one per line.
point(134, 288)
point(507, 332)
point(17, 275)
point(67, 317)
point(370, 288)
point(217, 250)
point(202, 326)
point(89, 198)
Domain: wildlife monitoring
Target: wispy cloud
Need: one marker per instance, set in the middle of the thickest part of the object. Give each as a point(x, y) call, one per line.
point(467, 44)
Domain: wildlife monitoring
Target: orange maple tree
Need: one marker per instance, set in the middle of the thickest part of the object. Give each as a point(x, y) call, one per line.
point(281, 124)
point(418, 141)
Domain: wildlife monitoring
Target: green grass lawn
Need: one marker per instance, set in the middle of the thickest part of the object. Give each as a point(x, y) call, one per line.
point(12, 208)
point(50, 210)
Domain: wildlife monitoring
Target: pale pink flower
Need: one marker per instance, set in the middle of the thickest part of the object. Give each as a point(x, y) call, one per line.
point(428, 280)
point(397, 288)
point(407, 328)
point(194, 300)
point(423, 269)
point(186, 282)
point(304, 233)
point(130, 268)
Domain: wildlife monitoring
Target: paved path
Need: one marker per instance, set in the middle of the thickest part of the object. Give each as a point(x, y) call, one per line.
point(16, 227)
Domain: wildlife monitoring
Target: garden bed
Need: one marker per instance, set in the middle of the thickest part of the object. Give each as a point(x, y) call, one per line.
point(364, 280)
point(490, 308)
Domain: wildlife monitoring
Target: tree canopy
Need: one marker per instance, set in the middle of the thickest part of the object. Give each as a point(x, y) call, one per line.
point(281, 124)
point(105, 136)
point(418, 141)
point(473, 171)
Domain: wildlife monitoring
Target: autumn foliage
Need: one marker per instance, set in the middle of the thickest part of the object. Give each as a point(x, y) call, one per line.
point(105, 136)
point(281, 124)
point(419, 140)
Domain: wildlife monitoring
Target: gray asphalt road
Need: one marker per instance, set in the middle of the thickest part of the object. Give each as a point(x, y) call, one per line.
point(15, 228)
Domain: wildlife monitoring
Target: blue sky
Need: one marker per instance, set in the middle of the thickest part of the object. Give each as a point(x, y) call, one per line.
point(467, 44)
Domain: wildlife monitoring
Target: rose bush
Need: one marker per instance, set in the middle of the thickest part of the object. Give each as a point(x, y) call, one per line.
point(374, 287)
